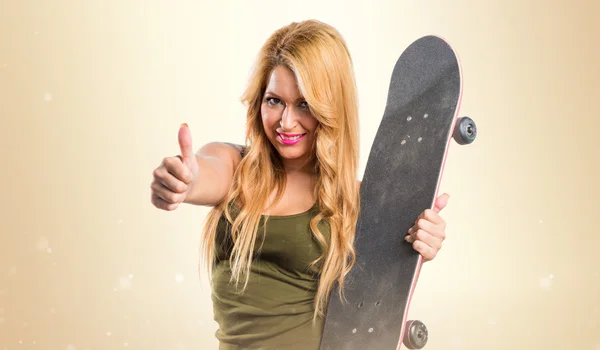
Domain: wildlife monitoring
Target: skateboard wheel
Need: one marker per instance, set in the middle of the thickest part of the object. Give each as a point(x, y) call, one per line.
point(415, 335)
point(465, 131)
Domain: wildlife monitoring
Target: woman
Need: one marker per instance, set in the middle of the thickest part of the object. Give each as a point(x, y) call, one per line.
point(285, 205)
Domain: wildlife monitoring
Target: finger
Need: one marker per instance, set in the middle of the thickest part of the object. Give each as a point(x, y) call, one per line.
point(432, 216)
point(177, 168)
point(429, 239)
point(428, 226)
point(422, 215)
point(169, 181)
point(159, 190)
point(185, 143)
point(426, 251)
point(162, 204)
point(441, 202)
point(437, 232)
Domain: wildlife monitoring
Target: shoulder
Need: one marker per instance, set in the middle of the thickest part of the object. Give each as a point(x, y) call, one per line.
point(224, 151)
point(238, 149)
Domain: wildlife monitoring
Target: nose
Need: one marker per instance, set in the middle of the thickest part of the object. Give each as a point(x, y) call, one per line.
point(289, 118)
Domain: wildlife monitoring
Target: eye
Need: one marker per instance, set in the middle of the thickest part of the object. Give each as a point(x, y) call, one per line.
point(273, 101)
point(304, 105)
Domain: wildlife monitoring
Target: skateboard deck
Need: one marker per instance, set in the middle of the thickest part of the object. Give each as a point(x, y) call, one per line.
point(401, 180)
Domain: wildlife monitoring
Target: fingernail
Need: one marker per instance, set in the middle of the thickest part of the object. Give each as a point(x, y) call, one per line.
point(184, 124)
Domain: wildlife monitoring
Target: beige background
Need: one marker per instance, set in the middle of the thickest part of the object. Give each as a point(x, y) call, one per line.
point(92, 94)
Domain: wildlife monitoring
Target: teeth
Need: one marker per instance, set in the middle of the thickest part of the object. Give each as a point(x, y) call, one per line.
point(290, 138)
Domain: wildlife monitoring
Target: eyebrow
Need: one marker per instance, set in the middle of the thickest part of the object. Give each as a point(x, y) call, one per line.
point(269, 92)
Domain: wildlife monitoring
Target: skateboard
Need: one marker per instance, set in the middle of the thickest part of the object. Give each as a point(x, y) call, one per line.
point(401, 179)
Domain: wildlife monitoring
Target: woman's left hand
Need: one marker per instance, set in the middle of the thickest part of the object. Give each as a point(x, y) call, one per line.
point(429, 230)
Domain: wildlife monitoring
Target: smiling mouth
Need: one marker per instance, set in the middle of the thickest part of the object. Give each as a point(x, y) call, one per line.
point(290, 139)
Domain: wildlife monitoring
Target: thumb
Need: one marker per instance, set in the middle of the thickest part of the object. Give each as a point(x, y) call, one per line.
point(185, 143)
point(441, 202)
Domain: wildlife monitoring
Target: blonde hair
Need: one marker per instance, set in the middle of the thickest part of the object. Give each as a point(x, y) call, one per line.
point(318, 56)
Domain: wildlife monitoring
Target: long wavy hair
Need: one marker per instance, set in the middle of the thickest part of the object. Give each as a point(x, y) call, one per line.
point(318, 56)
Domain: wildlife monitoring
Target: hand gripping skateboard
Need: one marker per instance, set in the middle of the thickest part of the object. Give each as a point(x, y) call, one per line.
point(401, 180)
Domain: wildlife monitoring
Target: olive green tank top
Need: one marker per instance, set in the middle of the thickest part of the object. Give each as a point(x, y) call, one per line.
point(275, 311)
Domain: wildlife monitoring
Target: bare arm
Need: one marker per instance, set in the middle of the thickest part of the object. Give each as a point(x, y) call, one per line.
point(217, 162)
point(201, 178)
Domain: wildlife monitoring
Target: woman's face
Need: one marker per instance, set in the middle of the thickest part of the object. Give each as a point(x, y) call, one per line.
point(287, 120)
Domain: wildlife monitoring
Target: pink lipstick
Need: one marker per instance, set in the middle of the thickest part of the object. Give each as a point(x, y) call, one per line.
point(290, 139)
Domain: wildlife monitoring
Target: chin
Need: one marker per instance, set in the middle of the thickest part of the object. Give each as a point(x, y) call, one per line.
point(291, 153)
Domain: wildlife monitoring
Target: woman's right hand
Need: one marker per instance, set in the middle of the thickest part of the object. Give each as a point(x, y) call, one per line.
point(175, 176)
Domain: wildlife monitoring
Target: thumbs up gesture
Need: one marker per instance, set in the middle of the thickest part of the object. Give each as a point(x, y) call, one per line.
point(175, 176)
